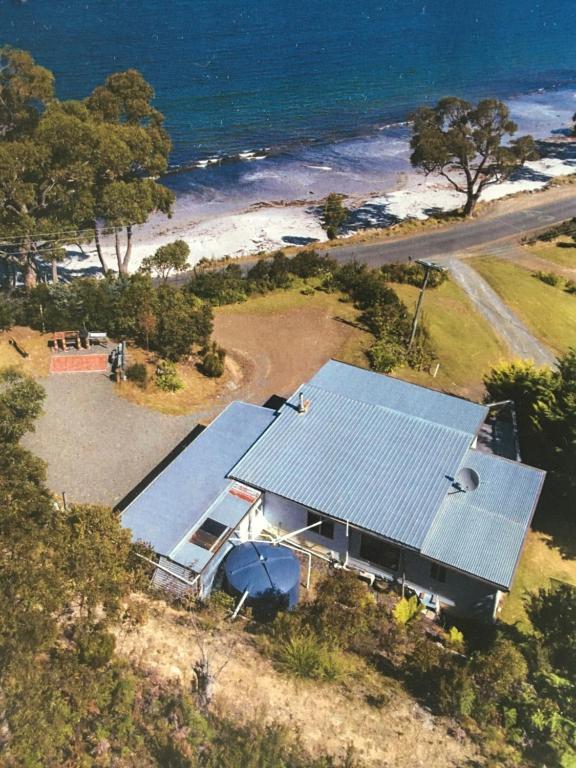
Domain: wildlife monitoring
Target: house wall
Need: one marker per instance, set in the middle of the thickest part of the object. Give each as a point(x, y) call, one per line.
point(459, 593)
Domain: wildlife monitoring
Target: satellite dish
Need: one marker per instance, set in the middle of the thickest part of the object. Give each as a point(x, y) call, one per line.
point(467, 479)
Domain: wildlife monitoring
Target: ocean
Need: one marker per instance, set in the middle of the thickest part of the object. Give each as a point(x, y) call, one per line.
point(291, 99)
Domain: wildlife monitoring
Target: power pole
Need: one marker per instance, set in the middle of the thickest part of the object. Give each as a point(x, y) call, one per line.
point(429, 266)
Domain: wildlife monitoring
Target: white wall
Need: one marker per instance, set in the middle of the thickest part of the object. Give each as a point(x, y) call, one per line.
point(288, 516)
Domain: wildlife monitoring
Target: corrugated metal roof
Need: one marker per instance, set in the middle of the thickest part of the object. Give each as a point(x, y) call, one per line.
point(179, 497)
point(378, 389)
point(378, 468)
point(482, 531)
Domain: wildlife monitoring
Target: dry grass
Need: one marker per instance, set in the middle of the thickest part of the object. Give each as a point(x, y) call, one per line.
point(327, 717)
point(199, 391)
point(37, 364)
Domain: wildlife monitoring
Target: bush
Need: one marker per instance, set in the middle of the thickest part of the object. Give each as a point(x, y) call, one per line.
point(305, 657)
point(412, 274)
point(550, 278)
point(385, 356)
point(6, 314)
point(570, 286)
point(138, 373)
point(406, 609)
point(311, 264)
point(167, 378)
point(213, 358)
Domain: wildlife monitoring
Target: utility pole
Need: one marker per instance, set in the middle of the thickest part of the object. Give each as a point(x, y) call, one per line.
point(429, 266)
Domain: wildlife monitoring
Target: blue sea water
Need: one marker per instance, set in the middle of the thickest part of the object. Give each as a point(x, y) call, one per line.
point(308, 84)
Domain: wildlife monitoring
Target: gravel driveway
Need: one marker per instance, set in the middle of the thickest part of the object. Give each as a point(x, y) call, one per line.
point(504, 322)
point(98, 446)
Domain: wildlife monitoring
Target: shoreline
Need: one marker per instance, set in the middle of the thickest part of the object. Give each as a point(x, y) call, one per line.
point(257, 206)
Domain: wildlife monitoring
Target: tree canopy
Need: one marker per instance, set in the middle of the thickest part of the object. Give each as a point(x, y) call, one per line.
point(70, 168)
point(469, 145)
point(172, 257)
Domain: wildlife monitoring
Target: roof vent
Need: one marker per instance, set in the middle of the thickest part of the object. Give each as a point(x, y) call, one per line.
point(303, 404)
point(467, 479)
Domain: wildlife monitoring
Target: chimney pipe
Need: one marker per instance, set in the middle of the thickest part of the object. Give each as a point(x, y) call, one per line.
point(301, 403)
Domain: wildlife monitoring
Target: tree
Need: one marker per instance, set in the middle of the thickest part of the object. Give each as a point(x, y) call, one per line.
point(468, 145)
point(21, 401)
point(70, 167)
point(553, 615)
point(136, 153)
point(172, 257)
point(182, 320)
point(526, 385)
point(24, 86)
point(213, 359)
point(334, 215)
point(556, 419)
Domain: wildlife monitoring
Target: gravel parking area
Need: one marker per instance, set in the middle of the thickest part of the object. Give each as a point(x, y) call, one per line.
point(98, 446)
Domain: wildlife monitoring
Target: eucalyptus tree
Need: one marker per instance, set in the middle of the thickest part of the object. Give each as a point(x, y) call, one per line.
point(469, 145)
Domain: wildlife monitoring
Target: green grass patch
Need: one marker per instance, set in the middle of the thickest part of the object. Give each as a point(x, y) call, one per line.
point(548, 311)
point(561, 251)
point(302, 294)
point(541, 562)
point(466, 345)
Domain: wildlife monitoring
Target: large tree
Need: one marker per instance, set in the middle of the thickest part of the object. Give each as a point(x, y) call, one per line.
point(126, 191)
point(69, 168)
point(469, 145)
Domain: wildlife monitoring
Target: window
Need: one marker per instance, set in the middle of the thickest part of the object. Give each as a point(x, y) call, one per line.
point(326, 527)
point(379, 552)
point(210, 533)
point(438, 572)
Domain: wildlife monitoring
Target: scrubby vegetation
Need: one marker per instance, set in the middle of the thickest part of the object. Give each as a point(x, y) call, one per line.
point(383, 314)
point(66, 579)
point(512, 693)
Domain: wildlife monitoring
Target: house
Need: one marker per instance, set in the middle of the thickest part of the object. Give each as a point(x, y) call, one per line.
point(376, 474)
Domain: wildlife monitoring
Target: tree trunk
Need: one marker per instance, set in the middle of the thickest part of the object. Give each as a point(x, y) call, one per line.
point(28, 266)
point(118, 254)
point(471, 200)
point(54, 271)
point(99, 249)
point(124, 261)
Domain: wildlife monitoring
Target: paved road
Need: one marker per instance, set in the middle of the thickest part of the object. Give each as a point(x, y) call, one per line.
point(460, 237)
point(510, 328)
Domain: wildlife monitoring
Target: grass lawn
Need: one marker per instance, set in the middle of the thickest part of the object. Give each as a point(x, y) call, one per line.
point(37, 363)
point(561, 251)
point(466, 345)
point(548, 311)
point(540, 563)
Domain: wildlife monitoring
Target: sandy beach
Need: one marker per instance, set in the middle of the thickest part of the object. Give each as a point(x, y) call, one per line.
point(268, 227)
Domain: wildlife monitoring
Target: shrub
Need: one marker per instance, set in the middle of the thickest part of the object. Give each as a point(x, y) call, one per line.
point(305, 656)
point(310, 264)
point(138, 373)
point(455, 639)
point(385, 356)
point(406, 609)
point(550, 278)
point(6, 315)
point(167, 378)
point(570, 286)
point(213, 358)
point(413, 274)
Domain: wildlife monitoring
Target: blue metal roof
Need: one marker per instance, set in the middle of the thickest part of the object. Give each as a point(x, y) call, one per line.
point(177, 500)
point(482, 531)
point(378, 389)
point(378, 468)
